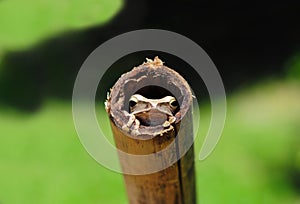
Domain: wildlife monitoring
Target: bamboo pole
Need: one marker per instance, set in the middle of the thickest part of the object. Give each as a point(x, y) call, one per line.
point(146, 179)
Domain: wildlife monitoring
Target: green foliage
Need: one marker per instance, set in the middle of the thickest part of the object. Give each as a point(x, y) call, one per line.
point(24, 23)
point(257, 152)
point(42, 160)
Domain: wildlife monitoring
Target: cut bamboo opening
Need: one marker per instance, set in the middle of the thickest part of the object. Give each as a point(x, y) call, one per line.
point(165, 176)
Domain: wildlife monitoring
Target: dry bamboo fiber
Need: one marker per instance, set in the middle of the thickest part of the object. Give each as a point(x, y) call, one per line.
point(146, 180)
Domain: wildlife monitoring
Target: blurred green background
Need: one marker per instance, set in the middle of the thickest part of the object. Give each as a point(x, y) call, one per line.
point(42, 161)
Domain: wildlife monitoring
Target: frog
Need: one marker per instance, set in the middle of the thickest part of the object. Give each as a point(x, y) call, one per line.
point(152, 112)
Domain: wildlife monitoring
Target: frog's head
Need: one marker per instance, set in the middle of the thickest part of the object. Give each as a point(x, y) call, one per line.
point(141, 104)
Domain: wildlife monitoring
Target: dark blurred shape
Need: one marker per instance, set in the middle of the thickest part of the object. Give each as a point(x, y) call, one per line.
point(293, 67)
point(246, 41)
point(295, 179)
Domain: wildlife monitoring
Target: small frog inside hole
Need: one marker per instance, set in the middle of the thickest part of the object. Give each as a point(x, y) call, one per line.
point(152, 106)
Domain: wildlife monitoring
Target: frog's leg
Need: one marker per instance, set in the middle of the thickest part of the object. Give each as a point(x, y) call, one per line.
point(171, 128)
point(172, 119)
point(129, 123)
point(166, 124)
point(132, 121)
point(136, 126)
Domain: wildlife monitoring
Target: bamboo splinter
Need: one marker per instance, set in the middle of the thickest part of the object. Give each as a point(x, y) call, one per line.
point(146, 180)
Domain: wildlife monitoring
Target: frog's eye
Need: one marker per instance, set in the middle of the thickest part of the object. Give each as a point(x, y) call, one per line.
point(133, 101)
point(173, 103)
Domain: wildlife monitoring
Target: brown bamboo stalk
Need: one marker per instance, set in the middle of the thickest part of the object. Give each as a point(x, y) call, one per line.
point(176, 183)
